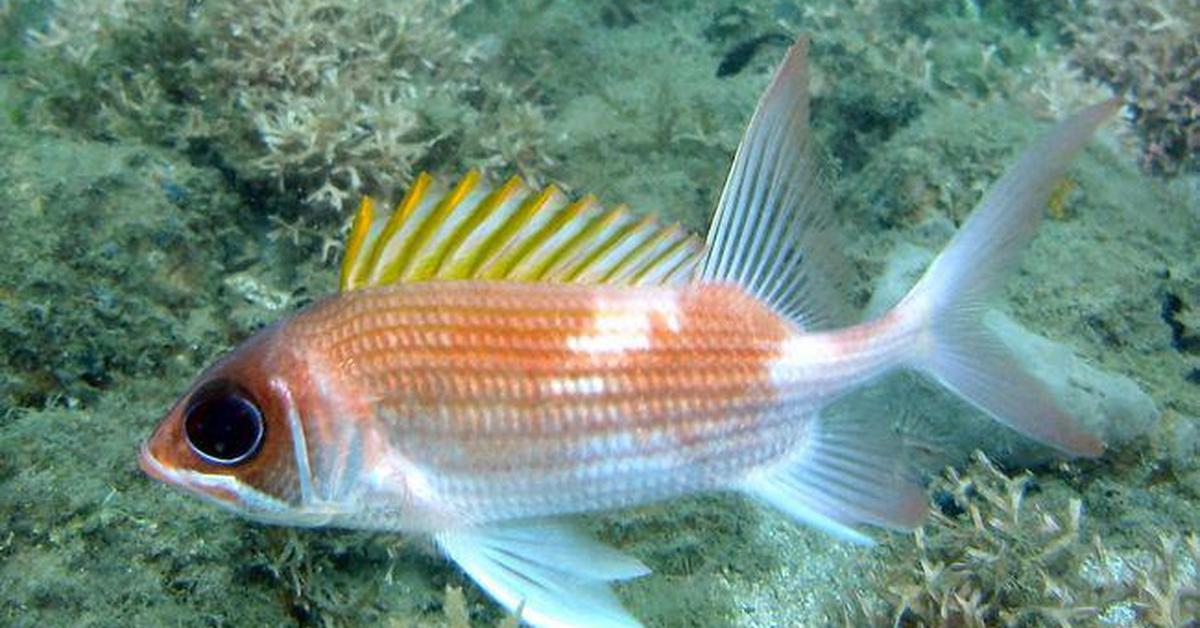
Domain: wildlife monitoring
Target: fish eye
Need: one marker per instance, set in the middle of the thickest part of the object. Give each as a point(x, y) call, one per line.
point(223, 424)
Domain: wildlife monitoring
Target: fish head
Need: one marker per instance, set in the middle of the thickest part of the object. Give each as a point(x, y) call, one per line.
point(234, 437)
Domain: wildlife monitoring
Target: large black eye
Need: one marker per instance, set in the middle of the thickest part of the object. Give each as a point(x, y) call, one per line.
point(222, 423)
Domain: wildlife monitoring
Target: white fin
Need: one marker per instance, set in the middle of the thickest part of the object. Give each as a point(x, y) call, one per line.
point(948, 303)
point(550, 573)
point(771, 231)
point(844, 474)
point(511, 233)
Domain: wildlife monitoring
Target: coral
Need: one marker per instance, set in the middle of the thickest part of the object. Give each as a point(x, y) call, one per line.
point(324, 98)
point(516, 140)
point(1151, 51)
point(335, 90)
point(975, 56)
point(1000, 560)
point(1053, 87)
point(1168, 583)
point(1001, 550)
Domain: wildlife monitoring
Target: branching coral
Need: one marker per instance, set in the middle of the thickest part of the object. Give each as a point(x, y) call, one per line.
point(516, 140)
point(1000, 553)
point(1001, 561)
point(1168, 581)
point(1151, 50)
point(335, 89)
point(329, 98)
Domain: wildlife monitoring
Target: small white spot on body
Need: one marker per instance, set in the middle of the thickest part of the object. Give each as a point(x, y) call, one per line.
point(614, 333)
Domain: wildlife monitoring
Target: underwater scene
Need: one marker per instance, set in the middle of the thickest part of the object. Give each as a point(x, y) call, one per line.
point(875, 396)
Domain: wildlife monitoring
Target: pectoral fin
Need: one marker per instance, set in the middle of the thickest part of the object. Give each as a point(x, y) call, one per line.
point(546, 572)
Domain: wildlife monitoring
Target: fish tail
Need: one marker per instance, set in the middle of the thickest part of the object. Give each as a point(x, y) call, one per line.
point(771, 235)
point(946, 306)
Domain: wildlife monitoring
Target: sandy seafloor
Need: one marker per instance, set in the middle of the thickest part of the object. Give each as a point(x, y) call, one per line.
point(124, 266)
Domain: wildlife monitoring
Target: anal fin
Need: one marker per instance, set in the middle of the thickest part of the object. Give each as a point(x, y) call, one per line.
point(843, 475)
point(546, 571)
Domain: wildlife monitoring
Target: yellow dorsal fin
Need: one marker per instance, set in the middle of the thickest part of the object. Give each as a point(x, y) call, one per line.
point(511, 233)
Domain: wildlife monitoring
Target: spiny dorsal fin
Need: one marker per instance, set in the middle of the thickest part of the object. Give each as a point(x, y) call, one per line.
point(511, 233)
point(771, 233)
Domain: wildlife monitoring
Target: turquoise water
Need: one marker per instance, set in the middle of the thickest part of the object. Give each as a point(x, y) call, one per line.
point(175, 177)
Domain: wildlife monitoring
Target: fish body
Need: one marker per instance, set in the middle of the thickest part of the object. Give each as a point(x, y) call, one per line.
point(500, 401)
point(494, 363)
point(463, 401)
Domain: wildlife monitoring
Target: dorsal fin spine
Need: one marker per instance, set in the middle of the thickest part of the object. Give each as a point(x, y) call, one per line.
point(511, 233)
point(685, 268)
point(568, 256)
point(409, 203)
point(497, 198)
point(498, 242)
point(407, 264)
point(352, 268)
point(632, 264)
point(571, 212)
point(655, 261)
point(604, 248)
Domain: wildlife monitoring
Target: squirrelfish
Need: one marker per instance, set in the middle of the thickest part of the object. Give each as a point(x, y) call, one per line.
point(500, 358)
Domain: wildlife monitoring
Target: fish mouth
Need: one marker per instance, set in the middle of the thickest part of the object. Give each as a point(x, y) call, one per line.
point(219, 491)
point(151, 465)
point(209, 488)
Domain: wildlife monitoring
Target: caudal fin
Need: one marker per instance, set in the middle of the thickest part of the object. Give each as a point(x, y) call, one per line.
point(948, 302)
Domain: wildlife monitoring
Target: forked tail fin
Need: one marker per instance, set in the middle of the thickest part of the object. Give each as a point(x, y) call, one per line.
point(948, 303)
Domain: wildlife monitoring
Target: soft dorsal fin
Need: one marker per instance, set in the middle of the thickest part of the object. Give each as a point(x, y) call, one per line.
point(771, 233)
point(511, 233)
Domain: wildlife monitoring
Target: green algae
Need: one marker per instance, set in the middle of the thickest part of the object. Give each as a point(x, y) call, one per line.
point(118, 245)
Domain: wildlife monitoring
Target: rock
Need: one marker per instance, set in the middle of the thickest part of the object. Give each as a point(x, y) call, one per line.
point(1109, 405)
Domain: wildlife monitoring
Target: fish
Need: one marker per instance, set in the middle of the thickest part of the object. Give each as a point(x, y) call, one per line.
point(499, 359)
